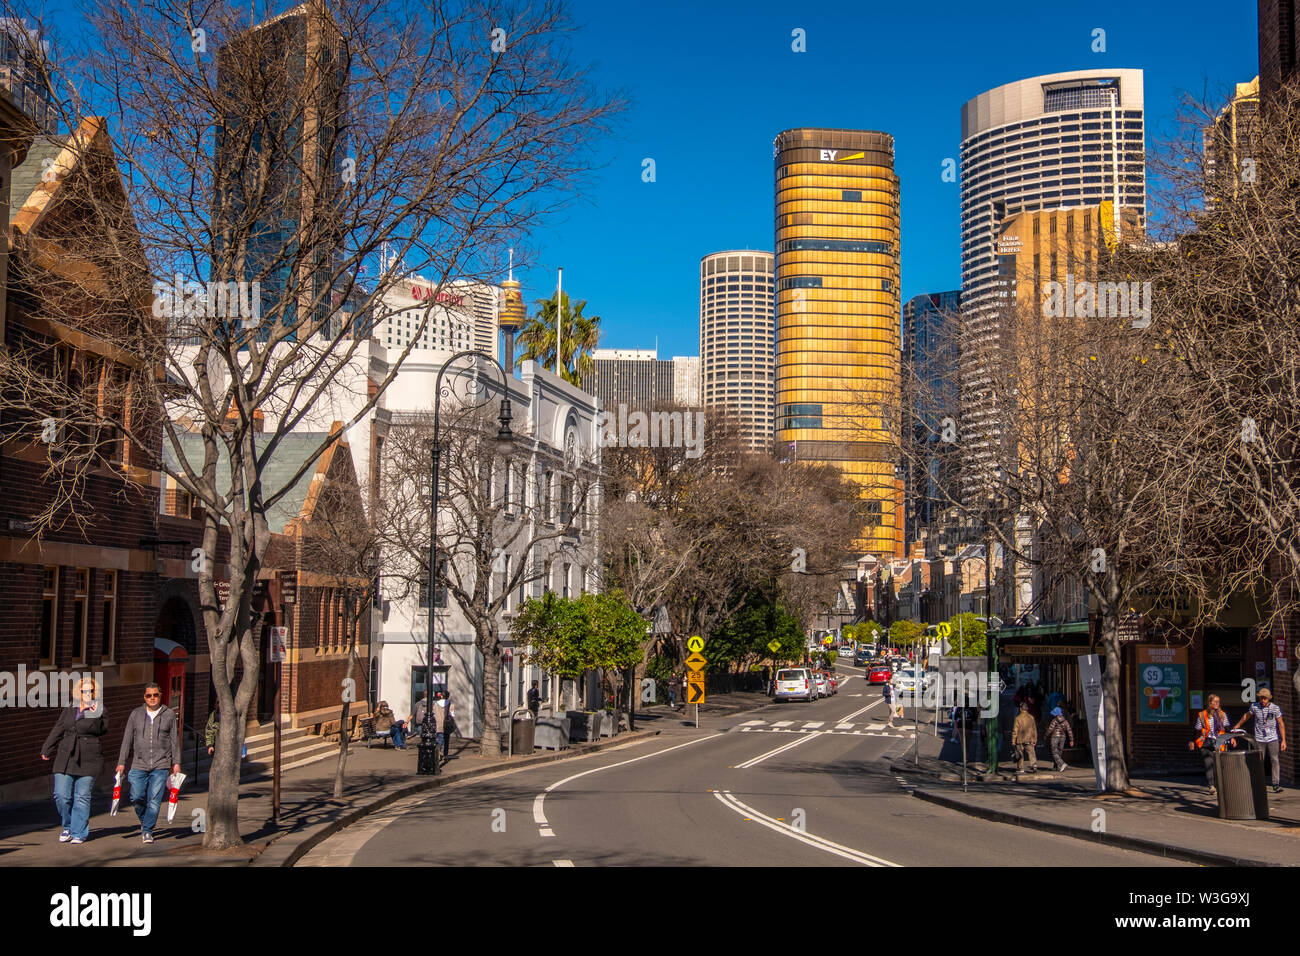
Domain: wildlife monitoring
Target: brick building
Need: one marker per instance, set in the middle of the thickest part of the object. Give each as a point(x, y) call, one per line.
point(84, 595)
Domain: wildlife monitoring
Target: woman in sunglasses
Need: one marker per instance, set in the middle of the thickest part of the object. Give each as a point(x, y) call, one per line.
point(78, 760)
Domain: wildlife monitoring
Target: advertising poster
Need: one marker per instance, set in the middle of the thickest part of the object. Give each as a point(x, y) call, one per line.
point(1162, 685)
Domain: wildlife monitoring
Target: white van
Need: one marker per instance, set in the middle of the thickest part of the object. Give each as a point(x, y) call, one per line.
point(795, 683)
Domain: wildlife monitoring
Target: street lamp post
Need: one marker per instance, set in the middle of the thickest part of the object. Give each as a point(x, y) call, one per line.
point(504, 444)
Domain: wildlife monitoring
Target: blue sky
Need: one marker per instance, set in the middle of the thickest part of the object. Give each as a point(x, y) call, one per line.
point(711, 84)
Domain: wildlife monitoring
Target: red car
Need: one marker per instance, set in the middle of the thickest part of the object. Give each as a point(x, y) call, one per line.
point(879, 674)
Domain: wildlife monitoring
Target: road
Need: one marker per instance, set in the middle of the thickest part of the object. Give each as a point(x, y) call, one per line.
point(797, 784)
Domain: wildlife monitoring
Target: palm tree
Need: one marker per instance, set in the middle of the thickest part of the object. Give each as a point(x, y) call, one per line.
point(537, 338)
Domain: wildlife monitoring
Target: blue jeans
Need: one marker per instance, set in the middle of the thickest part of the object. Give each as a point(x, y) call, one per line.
point(442, 742)
point(399, 737)
point(72, 797)
point(146, 805)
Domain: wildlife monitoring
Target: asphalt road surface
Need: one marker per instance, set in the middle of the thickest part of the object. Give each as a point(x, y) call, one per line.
point(796, 784)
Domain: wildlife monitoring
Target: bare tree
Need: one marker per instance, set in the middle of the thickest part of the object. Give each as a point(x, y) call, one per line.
point(273, 179)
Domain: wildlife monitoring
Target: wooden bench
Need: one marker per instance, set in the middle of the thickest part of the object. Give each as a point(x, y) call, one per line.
point(368, 732)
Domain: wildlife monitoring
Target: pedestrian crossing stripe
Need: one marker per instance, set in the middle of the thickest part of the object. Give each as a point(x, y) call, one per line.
point(775, 729)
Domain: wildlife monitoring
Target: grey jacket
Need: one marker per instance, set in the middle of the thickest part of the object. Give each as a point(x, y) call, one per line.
point(155, 743)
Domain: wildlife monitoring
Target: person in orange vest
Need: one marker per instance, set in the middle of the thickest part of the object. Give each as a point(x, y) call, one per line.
point(1211, 722)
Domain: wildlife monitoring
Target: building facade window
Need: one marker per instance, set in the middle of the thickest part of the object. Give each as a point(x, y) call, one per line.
point(108, 631)
point(80, 615)
point(49, 616)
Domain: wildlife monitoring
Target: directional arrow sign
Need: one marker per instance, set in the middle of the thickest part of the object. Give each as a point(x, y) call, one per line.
point(695, 644)
point(696, 663)
point(695, 688)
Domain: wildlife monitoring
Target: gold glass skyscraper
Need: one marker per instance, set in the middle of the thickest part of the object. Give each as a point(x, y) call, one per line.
point(837, 314)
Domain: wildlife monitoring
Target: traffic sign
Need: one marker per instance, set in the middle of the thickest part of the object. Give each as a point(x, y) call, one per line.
point(694, 688)
point(695, 644)
point(828, 640)
point(945, 630)
point(696, 663)
point(775, 646)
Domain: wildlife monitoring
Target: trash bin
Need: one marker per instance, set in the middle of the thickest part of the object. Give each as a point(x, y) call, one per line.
point(522, 729)
point(1239, 775)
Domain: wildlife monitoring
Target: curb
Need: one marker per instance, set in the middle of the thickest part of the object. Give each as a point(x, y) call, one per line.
point(1080, 833)
point(284, 851)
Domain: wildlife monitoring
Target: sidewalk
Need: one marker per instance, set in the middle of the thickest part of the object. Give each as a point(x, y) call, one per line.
point(1173, 816)
point(375, 777)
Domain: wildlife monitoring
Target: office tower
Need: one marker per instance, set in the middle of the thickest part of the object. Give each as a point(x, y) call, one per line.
point(283, 83)
point(736, 326)
point(638, 378)
point(1228, 141)
point(24, 73)
point(1279, 43)
point(930, 402)
point(837, 308)
point(1048, 142)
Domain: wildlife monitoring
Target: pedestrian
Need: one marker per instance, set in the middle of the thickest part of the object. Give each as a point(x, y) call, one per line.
point(151, 735)
point(79, 759)
point(1024, 739)
point(535, 699)
point(1211, 724)
point(889, 695)
point(1270, 734)
point(674, 686)
point(954, 722)
point(1058, 731)
point(442, 722)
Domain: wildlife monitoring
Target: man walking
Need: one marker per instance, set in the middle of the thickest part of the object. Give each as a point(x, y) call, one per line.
point(1024, 738)
point(1211, 723)
point(889, 694)
point(534, 699)
point(1270, 734)
point(152, 736)
point(440, 721)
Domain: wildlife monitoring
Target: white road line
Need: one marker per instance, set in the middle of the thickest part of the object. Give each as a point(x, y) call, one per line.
point(821, 843)
point(539, 811)
point(813, 724)
point(843, 726)
point(784, 747)
point(783, 723)
point(875, 726)
point(563, 862)
point(752, 723)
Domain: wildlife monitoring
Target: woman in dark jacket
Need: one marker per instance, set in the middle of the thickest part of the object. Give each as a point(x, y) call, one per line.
point(78, 761)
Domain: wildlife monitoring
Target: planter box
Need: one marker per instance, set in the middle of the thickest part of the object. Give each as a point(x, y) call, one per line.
point(611, 723)
point(584, 726)
point(551, 733)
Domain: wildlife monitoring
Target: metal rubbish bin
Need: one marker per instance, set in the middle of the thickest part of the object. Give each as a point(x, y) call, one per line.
point(522, 729)
point(1239, 774)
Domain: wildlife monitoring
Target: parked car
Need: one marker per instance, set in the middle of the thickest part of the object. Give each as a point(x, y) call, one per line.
point(826, 681)
point(795, 683)
point(879, 673)
point(822, 684)
point(906, 681)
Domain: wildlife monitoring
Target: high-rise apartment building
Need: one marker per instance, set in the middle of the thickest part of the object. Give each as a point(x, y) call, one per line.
point(1048, 142)
point(736, 328)
point(1228, 141)
point(931, 325)
point(639, 378)
point(285, 85)
point(462, 315)
point(1279, 43)
point(837, 308)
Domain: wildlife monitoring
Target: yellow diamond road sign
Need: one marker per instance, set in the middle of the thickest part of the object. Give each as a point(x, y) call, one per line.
point(696, 662)
point(944, 629)
point(775, 646)
point(695, 644)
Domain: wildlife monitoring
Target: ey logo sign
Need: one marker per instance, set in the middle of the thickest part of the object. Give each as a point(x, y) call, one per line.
point(833, 156)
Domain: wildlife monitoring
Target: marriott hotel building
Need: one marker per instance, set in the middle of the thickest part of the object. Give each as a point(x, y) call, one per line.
point(837, 309)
